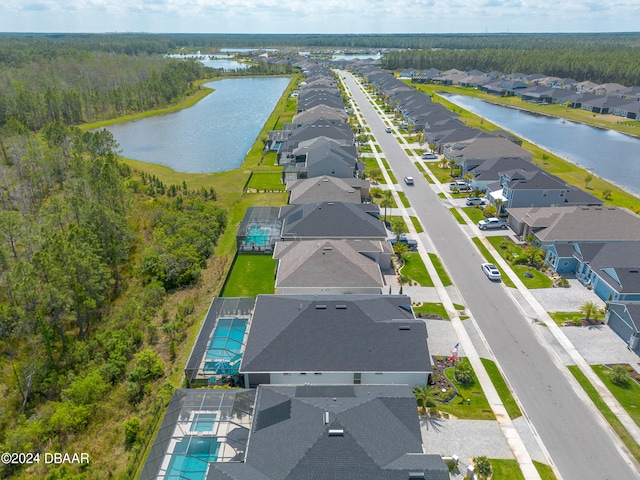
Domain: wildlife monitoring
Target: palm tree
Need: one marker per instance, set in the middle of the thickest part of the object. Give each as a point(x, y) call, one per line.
point(468, 177)
point(498, 202)
point(425, 395)
point(589, 308)
point(386, 202)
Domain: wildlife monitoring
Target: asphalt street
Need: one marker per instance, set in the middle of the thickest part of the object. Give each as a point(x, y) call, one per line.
point(579, 442)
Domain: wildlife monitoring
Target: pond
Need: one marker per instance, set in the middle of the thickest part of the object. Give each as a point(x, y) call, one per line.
point(608, 154)
point(212, 136)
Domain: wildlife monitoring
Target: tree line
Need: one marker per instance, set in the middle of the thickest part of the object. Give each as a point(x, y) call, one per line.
point(599, 64)
point(93, 86)
point(88, 251)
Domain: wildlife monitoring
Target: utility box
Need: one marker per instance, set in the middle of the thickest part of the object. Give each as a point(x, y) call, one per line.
point(471, 474)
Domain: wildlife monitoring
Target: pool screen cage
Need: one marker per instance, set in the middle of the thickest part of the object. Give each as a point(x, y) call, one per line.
point(185, 444)
point(259, 230)
point(199, 369)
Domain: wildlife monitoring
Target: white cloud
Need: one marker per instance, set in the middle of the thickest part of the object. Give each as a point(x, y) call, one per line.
point(318, 16)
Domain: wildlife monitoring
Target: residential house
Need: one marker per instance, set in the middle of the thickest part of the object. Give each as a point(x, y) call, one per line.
point(331, 266)
point(328, 189)
point(320, 432)
point(335, 340)
point(537, 188)
point(330, 220)
point(624, 319)
point(575, 224)
point(321, 156)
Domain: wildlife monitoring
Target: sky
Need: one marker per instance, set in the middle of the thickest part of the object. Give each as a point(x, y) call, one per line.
point(319, 16)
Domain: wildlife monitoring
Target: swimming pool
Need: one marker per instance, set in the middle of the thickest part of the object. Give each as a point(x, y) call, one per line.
point(190, 458)
point(258, 236)
point(203, 422)
point(225, 349)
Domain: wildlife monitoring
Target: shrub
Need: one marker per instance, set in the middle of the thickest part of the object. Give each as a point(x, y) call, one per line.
point(619, 376)
point(482, 467)
point(463, 373)
point(131, 431)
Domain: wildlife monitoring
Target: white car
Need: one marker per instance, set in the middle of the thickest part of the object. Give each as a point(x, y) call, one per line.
point(491, 271)
point(408, 180)
point(429, 156)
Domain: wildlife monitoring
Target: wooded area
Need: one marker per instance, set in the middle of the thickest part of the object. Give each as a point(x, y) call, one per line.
point(88, 250)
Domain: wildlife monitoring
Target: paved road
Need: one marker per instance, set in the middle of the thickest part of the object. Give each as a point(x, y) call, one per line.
point(580, 444)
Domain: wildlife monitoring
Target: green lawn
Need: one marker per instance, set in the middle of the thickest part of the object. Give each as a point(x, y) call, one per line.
point(485, 253)
point(442, 273)
point(432, 309)
point(391, 175)
point(504, 469)
point(251, 275)
point(428, 178)
point(545, 471)
point(617, 426)
point(474, 213)
point(628, 396)
point(415, 270)
point(419, 167)
point(476, 409)
point(454, 211)
point(417, 225)
point(562, 317)
point(263, 181)
point(505, 247)
point(503, 390)
point(404, 200)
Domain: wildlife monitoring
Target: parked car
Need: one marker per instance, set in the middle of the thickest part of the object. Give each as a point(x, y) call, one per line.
point(408, 180)
point(491, 271)
point(429, 156)
point(409, 242)
point(491, 223)
point(475, 201)
point(457, 183)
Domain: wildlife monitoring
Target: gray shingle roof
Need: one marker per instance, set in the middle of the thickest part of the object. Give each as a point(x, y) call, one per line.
point(325, 263)
point(335, 333)
point(301, 448)
point(332, 220)
point(326, 189)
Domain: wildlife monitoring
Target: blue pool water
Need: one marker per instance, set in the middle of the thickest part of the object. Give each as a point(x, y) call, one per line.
point(225, 349)
point(258, 236)
point(203, 422)
point(191, 458)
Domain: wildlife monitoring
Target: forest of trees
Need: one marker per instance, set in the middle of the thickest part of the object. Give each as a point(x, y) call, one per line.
point(88, 250)
point(604, 64)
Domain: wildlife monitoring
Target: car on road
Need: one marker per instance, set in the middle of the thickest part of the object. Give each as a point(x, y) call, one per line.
point(491, 271)
point(408, 180)
point(388, 129)
point(491, 223)
point(429, 156)
point(475, 201)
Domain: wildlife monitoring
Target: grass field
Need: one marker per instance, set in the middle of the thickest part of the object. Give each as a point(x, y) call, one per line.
point(442, 273)
point(503, 390)
point(264, 181)
point(627, 395)
point(252, 274)
point(404, 200)
point(485, 253)
point(617, 426)
point(458, 217)
point(417, 225)
point(432, 309)
point(476, 409)
point(506, 247)
point(415, 270)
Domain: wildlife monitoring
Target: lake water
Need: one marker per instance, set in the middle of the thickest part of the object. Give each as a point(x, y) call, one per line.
point(608, 154)
point(212, 136)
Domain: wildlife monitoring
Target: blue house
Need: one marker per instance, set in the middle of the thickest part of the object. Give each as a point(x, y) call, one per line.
point(624, 319)
point(611, 269)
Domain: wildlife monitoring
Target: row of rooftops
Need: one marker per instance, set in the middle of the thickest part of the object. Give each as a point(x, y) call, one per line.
point(316, 431)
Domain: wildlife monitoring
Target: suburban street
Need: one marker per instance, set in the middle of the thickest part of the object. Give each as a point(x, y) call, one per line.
point(577, 438)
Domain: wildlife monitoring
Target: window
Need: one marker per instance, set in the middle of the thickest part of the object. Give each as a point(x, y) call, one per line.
point(545, 193)
point(357, 378)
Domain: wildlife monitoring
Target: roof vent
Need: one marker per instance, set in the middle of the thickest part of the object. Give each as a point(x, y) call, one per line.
point(336, 433)
point(341, 307)
point(326, 418)
point(321, 307)
point(326, 248)
point(633, 271)
point(416, 476)
point(404, 327)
